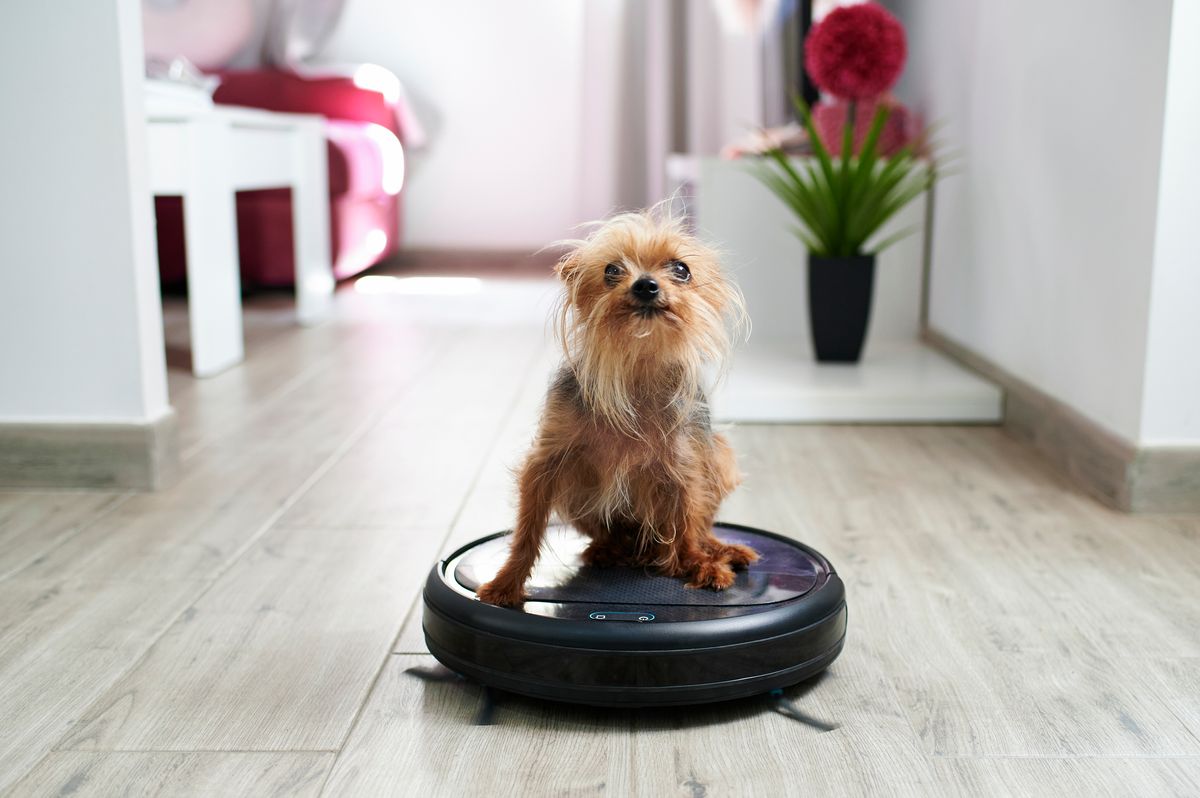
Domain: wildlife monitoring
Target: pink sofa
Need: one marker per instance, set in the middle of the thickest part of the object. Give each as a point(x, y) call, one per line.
point(365, 114)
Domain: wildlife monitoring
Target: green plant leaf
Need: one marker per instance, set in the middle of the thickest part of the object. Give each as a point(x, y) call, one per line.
point(797, 194)
point(841, 204)
point(810, 243)
point(819, 150)
point(805, 192)
point(901, 234)
point(865, 217)
point(868, 157)
point(904, 193)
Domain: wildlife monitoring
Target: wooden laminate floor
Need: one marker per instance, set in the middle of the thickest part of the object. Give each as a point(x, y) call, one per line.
point(251, 630)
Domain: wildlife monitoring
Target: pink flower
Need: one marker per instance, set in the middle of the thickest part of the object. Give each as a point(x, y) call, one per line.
point(856, 52)
point(829, 118)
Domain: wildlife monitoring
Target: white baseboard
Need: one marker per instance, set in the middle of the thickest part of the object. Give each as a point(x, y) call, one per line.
point(1122, 475)
point(109, 456)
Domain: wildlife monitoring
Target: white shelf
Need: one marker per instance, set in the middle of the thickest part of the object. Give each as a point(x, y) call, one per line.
point(777, 381)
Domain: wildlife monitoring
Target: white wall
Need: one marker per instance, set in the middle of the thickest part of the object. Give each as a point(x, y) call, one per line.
point(543, 114)
point(1171, 409)
point(80, 318)
point(1043, 247)
point(498, 88)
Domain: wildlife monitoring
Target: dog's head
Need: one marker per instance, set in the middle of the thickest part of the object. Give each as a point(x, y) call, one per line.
point(646, 305)
point(642, 285)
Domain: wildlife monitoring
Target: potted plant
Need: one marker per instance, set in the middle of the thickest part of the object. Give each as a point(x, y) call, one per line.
point(842, 196)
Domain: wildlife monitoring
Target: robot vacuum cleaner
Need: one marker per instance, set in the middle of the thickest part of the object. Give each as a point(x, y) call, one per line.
point(631, 637)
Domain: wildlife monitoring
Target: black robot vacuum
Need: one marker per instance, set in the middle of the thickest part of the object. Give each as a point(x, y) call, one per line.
point(631, 637)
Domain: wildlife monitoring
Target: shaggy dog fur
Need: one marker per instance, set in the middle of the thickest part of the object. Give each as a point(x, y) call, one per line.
point(625, 451)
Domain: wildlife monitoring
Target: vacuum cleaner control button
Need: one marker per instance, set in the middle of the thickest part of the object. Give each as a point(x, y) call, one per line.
point(619, 615)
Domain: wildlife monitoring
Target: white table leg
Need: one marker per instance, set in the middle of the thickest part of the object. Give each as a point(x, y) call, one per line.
point(310, 220)
point(210, 232)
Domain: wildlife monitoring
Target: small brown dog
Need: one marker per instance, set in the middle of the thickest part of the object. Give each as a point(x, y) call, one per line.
point(625, 451)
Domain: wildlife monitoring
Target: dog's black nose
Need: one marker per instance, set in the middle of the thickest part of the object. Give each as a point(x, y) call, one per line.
point(645, 289)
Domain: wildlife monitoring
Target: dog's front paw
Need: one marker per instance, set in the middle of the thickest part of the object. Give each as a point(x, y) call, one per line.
point(739, 556)
point(500, 594)
point(713, 574)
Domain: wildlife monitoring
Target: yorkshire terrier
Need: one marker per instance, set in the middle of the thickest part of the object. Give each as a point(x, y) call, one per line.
point(625, 450)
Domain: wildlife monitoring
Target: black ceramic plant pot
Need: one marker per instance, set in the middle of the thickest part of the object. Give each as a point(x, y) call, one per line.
point(839, 305)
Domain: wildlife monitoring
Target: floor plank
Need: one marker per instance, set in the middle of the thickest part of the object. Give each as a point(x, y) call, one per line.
point(314, 606)
point(32, 523)
point(1175, 681)
point(277, 656)
point(233, 488)
point(161, 774)
point(418, 444)
point(233, 633)
point(318, 393)
point(420, 737)
point(963, 703)
point(857, 740)
point(194, 528)
point(1104, 778)
point(61, 645)
point(983, 654)
point(281, 359)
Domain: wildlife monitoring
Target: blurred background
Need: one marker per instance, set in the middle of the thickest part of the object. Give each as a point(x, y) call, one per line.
point(1054, 258)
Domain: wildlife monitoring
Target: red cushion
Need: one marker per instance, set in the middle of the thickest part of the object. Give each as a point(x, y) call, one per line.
point(366, 165)
point(365, 160)
point(334, 97)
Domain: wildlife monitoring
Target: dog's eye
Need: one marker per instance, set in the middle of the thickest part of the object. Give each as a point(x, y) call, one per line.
point(612, 270)
point(680, 271)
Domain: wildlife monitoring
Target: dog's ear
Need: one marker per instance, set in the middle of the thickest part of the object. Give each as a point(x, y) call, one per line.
point(569, 266)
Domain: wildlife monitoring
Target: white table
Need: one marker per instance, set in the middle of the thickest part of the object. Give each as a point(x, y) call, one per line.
point(205, 155)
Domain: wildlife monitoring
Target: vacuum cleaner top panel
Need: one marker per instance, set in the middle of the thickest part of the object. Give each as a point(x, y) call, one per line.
point(784, 572)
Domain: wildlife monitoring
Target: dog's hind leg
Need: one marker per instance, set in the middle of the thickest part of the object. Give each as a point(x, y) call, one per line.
point(725, 477)
point(695, 553)
point(725, 474)
point(611, 545)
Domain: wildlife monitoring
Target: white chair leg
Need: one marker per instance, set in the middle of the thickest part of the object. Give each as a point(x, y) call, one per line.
point(310, 221)
point(210, 232)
